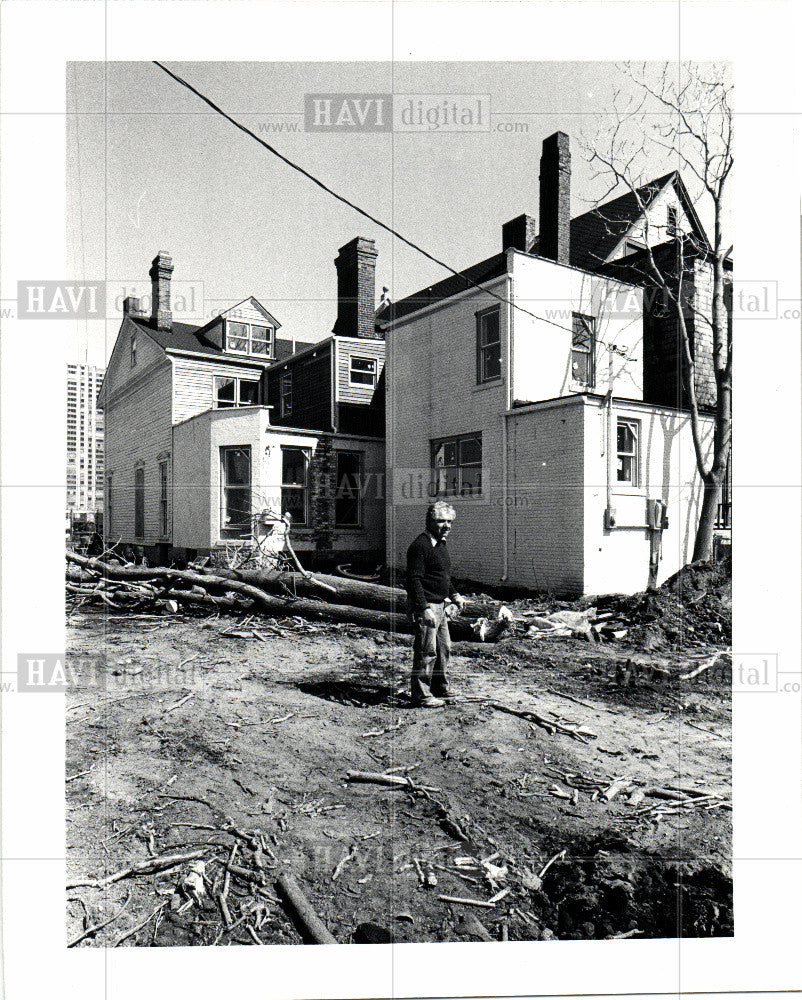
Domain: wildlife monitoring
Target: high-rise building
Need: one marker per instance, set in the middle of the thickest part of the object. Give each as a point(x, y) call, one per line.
point(84, 440)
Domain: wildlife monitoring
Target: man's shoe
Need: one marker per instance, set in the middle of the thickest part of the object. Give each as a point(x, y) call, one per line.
point(430, 702)
point(445, 695)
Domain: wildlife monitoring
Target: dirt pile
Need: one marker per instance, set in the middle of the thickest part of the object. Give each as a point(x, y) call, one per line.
point(692, 608)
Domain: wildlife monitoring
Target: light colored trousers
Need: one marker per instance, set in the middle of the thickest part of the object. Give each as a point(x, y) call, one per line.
point(431, 651)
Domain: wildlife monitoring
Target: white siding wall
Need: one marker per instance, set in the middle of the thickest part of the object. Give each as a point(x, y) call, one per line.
point(658, 223)
point(618, 560)
point(193, 383)
point(432, 393)
point(363, 348)
point(542, 349)
point(137, 430)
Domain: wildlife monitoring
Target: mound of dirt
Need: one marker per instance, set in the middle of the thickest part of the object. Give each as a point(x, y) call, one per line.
point(692, 607)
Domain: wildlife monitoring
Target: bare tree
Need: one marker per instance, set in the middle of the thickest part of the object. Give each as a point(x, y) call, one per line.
point(683, 113)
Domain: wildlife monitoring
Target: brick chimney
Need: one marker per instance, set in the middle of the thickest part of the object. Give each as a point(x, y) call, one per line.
point(356, 290)
point(555, 198)
point(519, 233)
point(131, 306)
point(161, 271)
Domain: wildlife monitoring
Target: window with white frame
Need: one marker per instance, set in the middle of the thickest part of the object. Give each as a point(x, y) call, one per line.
point(230, 391)
point(488, 345)
point(295, 484)
point(235, 491)
point(628, 452)
point(249, 338)
point(285, 393)
point(362, 371)
point(457, 466)
point(583, 350)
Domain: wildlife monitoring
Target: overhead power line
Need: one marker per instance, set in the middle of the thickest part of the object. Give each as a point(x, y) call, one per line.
point(350, 204)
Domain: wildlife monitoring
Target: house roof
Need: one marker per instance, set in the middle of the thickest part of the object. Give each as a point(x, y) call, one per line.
point(594, 236)
point(485, 270)
point(185, 337)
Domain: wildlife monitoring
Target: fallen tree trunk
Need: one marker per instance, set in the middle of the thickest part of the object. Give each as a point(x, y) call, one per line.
point(313, 610)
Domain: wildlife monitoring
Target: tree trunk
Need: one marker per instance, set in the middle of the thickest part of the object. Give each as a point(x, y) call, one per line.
point(703, 543)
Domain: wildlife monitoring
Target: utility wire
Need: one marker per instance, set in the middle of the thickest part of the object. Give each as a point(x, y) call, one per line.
point(350, 204)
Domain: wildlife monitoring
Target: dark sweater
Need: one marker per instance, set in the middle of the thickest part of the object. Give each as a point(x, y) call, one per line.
point(428, 573)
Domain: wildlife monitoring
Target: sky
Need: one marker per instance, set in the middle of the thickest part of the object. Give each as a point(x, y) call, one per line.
point(150, 168)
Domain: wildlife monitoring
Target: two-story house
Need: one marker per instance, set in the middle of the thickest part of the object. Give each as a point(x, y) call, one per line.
point(212, 432)
point(517, 394)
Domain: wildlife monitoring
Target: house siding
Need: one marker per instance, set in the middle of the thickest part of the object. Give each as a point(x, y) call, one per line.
point(138, 432)
point(345, 348)
point(311, 390)
point(193, 383)
point(617, 560)
point(432, 393)
point(545, 504)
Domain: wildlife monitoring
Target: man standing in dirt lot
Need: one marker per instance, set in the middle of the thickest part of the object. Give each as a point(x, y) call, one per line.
point(429, 585)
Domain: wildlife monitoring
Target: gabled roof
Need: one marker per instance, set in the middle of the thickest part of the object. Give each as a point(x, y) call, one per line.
point(596, 234)
point(184, 337)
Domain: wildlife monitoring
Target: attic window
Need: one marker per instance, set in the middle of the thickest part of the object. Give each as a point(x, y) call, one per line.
point(672, 226)
point(249, 338)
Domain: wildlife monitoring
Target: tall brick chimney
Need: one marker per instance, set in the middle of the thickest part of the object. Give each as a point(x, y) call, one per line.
point(356, 289)
point(555, 198)
point(519, 233)
point(161, 271)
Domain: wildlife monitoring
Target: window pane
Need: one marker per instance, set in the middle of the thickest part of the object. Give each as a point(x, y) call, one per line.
point(625, 469)
point(626, 438)
point(347, 499)
point(580, 367)
point(491, 362)
point(489, 328)
point(470, 451)
point(582, 336)
point(470, 480)
point(237, 466)
point(445, 453)
point(260, 347)
point(248, 393)
point(293, 502)
point(260, 332)
point(237, 512)
point(293, 467)
point(237, 336)
point(225, 391)
point(363, 364)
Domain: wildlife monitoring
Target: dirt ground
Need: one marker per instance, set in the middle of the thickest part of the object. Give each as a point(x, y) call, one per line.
point(190, 727)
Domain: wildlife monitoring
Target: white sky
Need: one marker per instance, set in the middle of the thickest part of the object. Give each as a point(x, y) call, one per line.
point(159, 170)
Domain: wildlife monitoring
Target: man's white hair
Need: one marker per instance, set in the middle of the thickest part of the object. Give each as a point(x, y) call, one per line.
point(440, 507)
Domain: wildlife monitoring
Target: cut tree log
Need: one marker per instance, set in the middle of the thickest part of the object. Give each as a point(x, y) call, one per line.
point(311, 927)
point(220, 585)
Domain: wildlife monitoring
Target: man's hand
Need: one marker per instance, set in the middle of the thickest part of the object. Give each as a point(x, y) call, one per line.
point(459, 600)
point(428, 618)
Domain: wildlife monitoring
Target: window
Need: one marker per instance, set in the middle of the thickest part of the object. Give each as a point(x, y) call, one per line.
point(133, 349)
point(672, 226)
point(109, 508)
point(295, 484)
point(457, 466)
point(139, 502)
point(348, 495)
point(488, 346)
point(627, 451)
point(285, 389)
point(362, 371)
point(229, 392)
point(163, 498)
point(249, 338)
point(583, 349)
point(235, 479)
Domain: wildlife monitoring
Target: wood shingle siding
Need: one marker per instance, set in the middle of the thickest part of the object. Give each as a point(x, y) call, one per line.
point(311, 390)
point(345, 348)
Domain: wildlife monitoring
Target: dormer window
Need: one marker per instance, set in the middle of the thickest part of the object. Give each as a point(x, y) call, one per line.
point(249, 338)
